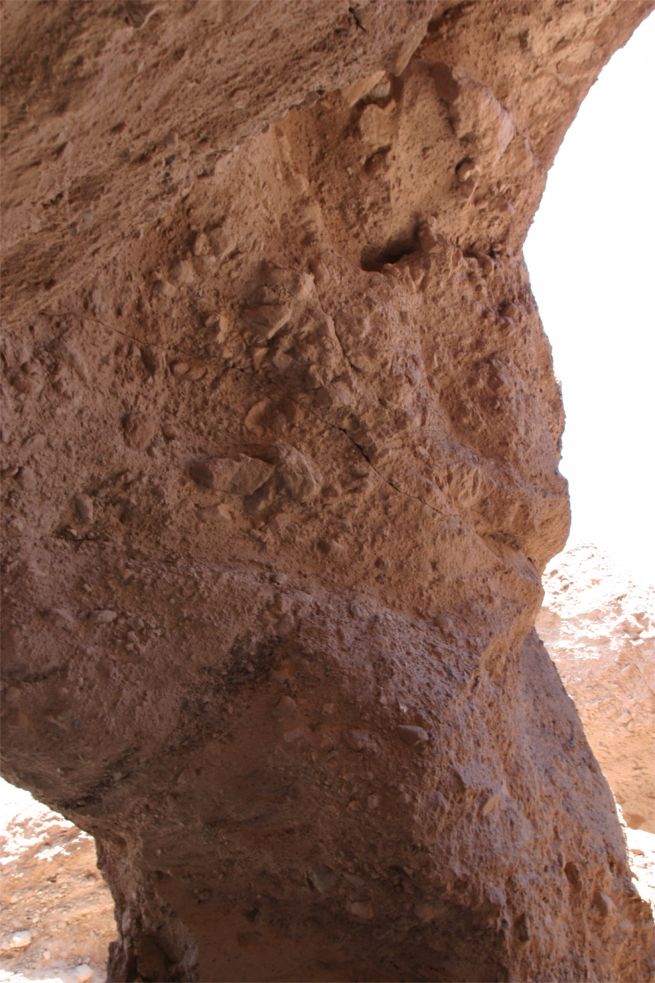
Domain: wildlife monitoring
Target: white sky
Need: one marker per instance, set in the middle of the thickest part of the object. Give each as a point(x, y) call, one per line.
point(591, 257)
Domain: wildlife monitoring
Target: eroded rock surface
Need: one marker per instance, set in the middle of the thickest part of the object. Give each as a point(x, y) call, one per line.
point(281, 436)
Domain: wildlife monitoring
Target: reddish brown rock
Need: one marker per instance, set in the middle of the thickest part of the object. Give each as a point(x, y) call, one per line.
point(283, 242)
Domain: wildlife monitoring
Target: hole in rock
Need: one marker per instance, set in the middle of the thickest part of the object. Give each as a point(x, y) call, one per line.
point(590, 257)
point(374, 258)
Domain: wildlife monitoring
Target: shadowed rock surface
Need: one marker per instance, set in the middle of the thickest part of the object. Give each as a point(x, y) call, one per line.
point(281, 437)
point(56, 914)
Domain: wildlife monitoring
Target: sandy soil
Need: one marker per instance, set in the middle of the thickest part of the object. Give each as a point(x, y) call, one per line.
point(598, 623)
point(56, 914)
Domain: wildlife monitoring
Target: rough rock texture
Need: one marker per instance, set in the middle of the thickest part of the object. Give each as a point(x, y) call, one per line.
point(56, 918)
point(56, 914)
point(600, 630)
point(281, 437)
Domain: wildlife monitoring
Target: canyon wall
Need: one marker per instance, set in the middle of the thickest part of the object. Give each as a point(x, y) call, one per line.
point(56, 914)
point(599, 627)
point(281, 435)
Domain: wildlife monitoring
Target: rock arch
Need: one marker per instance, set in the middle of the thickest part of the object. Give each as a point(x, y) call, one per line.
point(282, 437)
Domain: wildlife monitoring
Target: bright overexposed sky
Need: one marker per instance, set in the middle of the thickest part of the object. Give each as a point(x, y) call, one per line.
point(591, 256)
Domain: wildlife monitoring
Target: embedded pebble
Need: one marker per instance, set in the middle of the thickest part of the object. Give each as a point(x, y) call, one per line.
point(426, 913)
point(204, 265)
point(139, 430)
point(34, 443)
point(429, 234)
point(61, 616)
point(381, 91)
point(197, 372)
point(83, 508)
point(485, 263)
point(241, 475)
point(183, 272)
point(323, 879)
point(604, 904)
point(508, 310)
point(357, 740)
point(466, 169)
point(265, 320)
point(103, 616)
point(287, 707)
point(17, 940)
point(201, 245)
point(413, 735)
point(164, 288)
point(361, 909)
point(490, 805)
point(82, 973)
point(27, 478)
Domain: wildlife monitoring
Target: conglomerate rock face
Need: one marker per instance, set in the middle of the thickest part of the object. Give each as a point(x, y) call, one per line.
point(281, 437)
